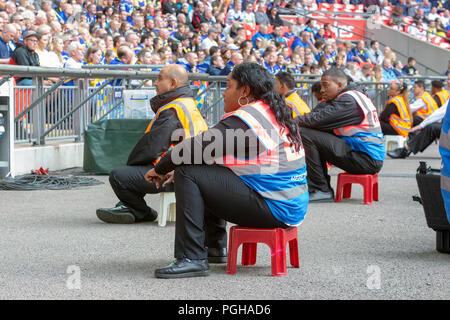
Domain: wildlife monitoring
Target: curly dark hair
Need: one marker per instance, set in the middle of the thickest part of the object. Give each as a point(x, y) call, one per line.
point(262, 87)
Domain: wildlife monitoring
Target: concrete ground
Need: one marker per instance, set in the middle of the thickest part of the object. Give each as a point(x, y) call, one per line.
point(52, 246)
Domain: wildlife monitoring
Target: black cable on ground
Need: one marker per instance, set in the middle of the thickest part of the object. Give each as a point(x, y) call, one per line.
point(44, 182)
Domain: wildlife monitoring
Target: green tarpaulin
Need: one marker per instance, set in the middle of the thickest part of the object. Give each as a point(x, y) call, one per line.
point(108, 143)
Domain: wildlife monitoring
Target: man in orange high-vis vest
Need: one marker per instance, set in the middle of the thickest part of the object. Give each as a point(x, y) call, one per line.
point(439, 93)
point(424, 134)
point(285, 85)
point(175, 112)
point(424, 105)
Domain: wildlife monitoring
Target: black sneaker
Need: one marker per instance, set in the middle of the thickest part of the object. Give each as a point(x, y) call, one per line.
point(184, 268)
point(120, 214)
point(399, 153)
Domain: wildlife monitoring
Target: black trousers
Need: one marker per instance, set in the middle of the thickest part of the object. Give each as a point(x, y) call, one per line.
point(387, 129)
point(130, 187)
point(419, 141)
point(322, 147)
point(207, 196)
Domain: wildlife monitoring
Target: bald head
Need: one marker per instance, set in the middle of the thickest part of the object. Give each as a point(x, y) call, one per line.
point(178, 73)
point(171, 77)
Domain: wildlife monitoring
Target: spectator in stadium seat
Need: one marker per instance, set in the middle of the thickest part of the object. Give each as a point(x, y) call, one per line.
point(169, 7)
point(387, 72)
point(409, 68)
point(262, 33)
point(26, 55)
point(304, 41)
point(274, 17)
point(329, 34)
point(418, 29)
point(198, 17)
point(8, 34)
point(261, 17)
point(359, 53)
point(374, 53)
point(216, 65)
point(235, 60)
point(372, 6)
point(397, 68)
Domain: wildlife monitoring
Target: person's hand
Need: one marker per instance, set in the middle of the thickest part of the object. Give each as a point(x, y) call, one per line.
point(152, 176)
point(169, 178)
point(416, 128)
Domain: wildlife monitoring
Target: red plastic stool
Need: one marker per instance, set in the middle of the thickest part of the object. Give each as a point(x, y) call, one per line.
point(368, 181)
point(275, 238)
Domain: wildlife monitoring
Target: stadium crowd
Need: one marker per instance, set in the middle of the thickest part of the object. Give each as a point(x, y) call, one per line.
point(204, 36)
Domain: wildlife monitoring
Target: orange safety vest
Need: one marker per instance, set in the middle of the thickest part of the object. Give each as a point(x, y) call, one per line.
point(443, 96)
point(298, 106)
point(189, 116)
point(402, 124)
point(430, 105)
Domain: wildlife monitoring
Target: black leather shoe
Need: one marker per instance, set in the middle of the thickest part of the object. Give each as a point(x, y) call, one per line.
point(399, 153)
point(119, 214)
point(149, 216)
point(217, 255)
point(184, 268)
point(321, 196)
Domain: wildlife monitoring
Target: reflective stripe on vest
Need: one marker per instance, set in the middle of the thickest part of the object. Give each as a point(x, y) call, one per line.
point(402, 124)
point(298, 106)
point(370, 123)
point(444, 149)
point(279, 173)
point(443, 96)
point(188, 114)
point(430, 105)
point(366, 137)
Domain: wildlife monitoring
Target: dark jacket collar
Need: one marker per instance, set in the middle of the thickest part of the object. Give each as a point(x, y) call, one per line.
point(163, 99)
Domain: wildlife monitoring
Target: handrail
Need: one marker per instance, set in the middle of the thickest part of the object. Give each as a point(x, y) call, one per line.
point(122, 66)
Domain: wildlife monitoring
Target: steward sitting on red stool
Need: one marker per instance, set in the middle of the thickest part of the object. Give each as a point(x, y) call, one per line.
point(344, 131)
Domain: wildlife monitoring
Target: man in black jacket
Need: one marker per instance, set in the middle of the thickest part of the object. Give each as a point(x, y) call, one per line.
point(128, 182)
point(26, 55)
point(343, 130)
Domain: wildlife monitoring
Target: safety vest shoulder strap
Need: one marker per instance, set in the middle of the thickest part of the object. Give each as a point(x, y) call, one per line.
point(186, 112)
point(259, 119)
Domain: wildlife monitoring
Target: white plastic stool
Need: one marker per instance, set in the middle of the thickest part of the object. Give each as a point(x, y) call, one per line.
point(394, 142)
point(167, 209)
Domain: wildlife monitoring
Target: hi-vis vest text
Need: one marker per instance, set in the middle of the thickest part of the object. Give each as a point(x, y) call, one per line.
point(189, 116)
point(298, 106)
point(430, 105)
point(443, 96)
point(402, 124)
point(444, 149)
point(367, 136)
point(279, 173)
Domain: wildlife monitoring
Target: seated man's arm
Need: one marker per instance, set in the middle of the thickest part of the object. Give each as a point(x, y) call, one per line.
point(342, 111)
point(157, 141)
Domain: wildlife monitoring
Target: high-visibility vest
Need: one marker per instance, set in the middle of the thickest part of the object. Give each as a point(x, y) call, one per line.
point(278, 174)
point(189, 116)
point(298, 106)
point(442, 96)
point(402, 124)
point(367, 136)
point(430, 105)
point(444, 149)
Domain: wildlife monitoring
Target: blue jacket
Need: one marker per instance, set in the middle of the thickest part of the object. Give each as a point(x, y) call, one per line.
point(444, 150)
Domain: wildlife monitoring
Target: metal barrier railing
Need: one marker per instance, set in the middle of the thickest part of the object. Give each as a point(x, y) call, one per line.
point(61, 112)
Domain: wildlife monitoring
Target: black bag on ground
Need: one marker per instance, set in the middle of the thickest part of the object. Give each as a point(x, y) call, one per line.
point(108, 143)
point(428, 181)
